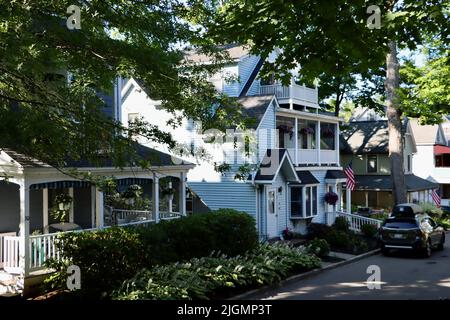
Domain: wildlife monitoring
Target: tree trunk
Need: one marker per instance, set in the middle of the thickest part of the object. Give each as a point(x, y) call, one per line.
point(394, 117)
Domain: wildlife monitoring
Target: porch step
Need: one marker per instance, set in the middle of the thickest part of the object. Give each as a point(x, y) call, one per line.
point(10, 285)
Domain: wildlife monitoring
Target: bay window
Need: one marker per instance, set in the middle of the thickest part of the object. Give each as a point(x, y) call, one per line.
point(303, 201)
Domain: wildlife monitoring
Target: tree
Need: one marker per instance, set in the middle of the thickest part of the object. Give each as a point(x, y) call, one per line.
point(52, 73)
point(334, 38)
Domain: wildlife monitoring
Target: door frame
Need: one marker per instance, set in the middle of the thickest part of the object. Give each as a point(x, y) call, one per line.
point(275, 217)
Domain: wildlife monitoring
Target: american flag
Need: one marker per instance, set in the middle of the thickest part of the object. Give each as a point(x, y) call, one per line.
point(351, 182)
point(436, 198)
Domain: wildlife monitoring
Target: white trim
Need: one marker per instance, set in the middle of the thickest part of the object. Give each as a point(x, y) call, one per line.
point(308, 115)
point(45, 209)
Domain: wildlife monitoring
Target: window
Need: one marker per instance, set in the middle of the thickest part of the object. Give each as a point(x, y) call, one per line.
point(327, 136)
point(132, 117)
point(372, 164)
point(271, 202)
point(307, 134)
point(296, 202)
point(306, 208)
point(285, 131)
point(408, 163)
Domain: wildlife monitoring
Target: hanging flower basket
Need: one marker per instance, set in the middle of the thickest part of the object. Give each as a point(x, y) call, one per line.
point(286, 129)
point(328, 133)
point(331, 198)
point(307, 130)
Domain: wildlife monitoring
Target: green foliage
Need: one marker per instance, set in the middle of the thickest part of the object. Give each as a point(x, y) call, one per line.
point(225, 230)
point(130, 199)
point(108, 257)
point(217, 274)
point(319, 247)
point(318, 230)
point(341, 224)
point(432, 210)
point(339, 239)
point(369, 230)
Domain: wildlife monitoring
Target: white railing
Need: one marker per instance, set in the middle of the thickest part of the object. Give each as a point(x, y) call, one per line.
point(445, 202)
point(307, 156)
point(355, 221)
point(2, 255)
point(42, 248)
point(11, 254)
point(291, 92)
point(122, 216)
point(328, 156)
point(169, 215)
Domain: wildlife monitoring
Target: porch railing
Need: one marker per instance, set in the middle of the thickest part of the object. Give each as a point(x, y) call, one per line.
point(122, 216)
point(291, 92)
point(355, 221)
point(42, 248)
point(11, 254)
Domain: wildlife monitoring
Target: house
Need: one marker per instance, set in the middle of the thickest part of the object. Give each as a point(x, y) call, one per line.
point(294, 161)
point(29, 187)
point(365, 144)
point(446, 128)
point(432, 160)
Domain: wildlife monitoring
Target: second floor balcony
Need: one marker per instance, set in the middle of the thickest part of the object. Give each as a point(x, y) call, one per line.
point(292, 94)
point(309, 142)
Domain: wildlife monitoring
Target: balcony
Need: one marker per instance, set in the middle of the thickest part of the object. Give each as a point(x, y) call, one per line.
point(313, 157)
point(292, 94)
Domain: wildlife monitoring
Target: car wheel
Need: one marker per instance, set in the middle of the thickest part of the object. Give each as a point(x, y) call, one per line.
point(427, 250)
point(440, 246)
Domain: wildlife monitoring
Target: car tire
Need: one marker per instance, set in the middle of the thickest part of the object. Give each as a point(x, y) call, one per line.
point(440, 246)
point(427, 250)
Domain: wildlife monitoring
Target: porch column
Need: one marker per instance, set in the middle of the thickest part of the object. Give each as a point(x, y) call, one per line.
point(296, 141)
point(99, 214)
point(183, 193)
point(348, 205)
point(93, 194)
point(318, 142)
point(45, 210)
point(71, 219)
point(24, 228)
point(155, 196)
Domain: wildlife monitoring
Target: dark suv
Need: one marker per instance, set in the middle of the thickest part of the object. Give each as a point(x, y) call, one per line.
point(411, 231)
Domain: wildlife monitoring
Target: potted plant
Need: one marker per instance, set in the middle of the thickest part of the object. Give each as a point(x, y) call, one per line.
point(328, 133)
point(61, 207)
point(307, 130)
point(331, 198)
point(286, 129)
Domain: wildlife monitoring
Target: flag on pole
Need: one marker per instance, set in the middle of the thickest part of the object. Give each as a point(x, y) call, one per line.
point(436, 198)
point(351, 182)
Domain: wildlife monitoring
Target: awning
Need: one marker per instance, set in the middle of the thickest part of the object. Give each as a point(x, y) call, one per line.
point(60, 185)
point(335, 176)
point(441, 150)
point(306, 177)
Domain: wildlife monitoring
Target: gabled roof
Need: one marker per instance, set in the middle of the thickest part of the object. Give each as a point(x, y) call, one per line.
point(365, 137)
point(384, 183)
point(428, 134)
point(273, 162)
point(235, 51)
point(335, 175)
point(255, 107)
point(155, 158)
point(306, 177)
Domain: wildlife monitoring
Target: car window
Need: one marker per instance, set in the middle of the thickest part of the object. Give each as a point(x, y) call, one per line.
point(400, 223)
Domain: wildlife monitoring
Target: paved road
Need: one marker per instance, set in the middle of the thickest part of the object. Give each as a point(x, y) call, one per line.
point(403, 276)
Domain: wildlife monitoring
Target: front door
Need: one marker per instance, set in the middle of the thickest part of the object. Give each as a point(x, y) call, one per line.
point(272, 212)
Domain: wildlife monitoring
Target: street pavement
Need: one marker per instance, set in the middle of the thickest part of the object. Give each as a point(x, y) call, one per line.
point(404, 276)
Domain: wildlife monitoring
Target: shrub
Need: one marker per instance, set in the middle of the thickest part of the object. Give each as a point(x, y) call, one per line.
point(319, 247)
point(431, 209)
point(108, 257)
point(318, 230)
point(341, 224)
point(105, 258)
point(339, 239)
point(206, 277)
point(359, 246)
point(369, 230)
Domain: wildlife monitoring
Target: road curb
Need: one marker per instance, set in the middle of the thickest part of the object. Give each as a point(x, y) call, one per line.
point(304, 275)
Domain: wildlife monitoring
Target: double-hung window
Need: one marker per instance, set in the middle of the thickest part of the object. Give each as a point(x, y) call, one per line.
point(303, 201)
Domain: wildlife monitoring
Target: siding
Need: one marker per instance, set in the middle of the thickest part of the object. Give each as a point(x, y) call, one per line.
point(246, 67)
point(235, 195)
point(266, 133)
point(231, 88)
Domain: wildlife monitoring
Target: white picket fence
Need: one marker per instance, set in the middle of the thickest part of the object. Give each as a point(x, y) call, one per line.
point(355, 221)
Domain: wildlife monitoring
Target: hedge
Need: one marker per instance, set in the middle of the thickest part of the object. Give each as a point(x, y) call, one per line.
point(108, 257)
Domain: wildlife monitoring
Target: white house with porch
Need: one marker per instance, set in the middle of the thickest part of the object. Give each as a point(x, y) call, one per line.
point(28, 188)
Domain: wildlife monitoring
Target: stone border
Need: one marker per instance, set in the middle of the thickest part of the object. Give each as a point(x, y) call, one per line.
point(304, 275)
